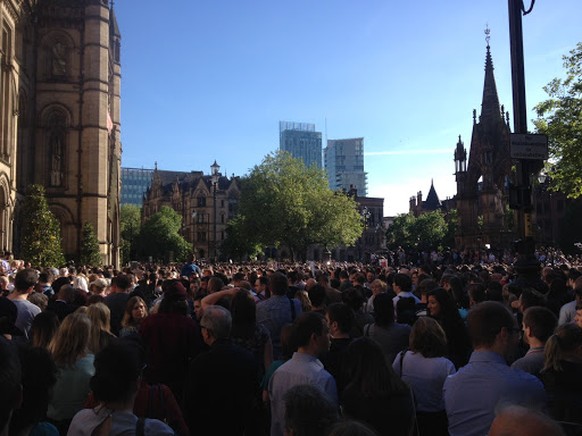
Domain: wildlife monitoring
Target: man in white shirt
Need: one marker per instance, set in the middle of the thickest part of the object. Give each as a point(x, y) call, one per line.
point(304, 368)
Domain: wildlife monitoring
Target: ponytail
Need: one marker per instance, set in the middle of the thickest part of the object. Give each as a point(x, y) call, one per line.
point(561, 345)
point(552, 354)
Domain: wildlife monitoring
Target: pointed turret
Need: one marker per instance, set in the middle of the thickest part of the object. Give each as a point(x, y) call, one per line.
point(432, 199)
point(490, 103)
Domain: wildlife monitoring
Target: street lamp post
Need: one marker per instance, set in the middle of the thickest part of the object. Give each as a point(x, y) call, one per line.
point(526, 265)
point(215, 176)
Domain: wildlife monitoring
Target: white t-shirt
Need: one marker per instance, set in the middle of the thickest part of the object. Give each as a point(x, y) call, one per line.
point(123, 423)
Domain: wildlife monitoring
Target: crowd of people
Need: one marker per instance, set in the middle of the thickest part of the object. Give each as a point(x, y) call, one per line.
point(291, 349)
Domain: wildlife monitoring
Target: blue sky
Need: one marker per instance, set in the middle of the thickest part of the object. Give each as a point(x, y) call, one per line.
point(205, 80)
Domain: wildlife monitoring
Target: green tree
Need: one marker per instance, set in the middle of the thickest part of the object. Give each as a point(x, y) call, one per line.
point(427, 231)
point(285, 203)
point(570, 229)
point(40, 230)
point(160, 237)
point(560, 117)
point(130, 222)
point(430, 228)
point(237, 244)
point(400, 233)
point(90, 254)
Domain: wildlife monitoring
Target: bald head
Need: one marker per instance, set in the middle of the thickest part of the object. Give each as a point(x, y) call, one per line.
point(519, 421)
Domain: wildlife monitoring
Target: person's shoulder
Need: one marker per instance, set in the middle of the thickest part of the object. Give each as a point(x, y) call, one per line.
point(402, 327)
point(157, 427)
point(520, 376)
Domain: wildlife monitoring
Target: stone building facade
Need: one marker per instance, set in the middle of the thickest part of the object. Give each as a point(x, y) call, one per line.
point(482, 176)
point(60, 117)
point(205, 207)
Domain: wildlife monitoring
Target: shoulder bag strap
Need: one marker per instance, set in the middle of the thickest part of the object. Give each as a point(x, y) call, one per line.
point(140, 427)
point(401, 361)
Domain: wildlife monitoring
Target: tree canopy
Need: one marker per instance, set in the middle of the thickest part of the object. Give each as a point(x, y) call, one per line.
point(285, 203)
point(427, 231)
point(560, 117)
point(40, 230)
point(129, 223)
point(90, 254)
point(160, 237)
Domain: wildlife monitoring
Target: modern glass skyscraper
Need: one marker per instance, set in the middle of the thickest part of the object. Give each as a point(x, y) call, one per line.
point(301, 141)
point(344, 164)
point(134, 183)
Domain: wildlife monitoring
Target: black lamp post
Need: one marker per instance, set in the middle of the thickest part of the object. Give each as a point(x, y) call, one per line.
point(215, 175)
point(526, 265)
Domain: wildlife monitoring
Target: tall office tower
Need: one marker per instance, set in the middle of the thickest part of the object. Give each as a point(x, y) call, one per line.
point(302, 141)
point(344, 164)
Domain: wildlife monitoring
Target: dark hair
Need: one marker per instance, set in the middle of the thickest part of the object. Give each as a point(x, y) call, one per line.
point(541, 321)
point(10, 378)
point(316, 295)
point(244, 315)
point(117, 369)
point(567, 339)
point(449, 312)
point(427, 285)
point(494, 291)
point(305, 325)
point(278, 283)
point(485, 321)
point(354, 298)
point(39, 374)
point(8, 316)
point(308, 411)
point(383, 309)
point(476, 292)
point(406, 310)
point(288, 345)
point(121, 281)
point(351, 428)
point(44, 277)
point(25, 279)
point(368, 371)
point(342, 314)
point(530, 297)
point(43, 328)
point(403, 281)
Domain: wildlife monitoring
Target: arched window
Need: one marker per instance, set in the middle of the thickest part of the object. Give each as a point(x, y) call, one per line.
point(56, 140)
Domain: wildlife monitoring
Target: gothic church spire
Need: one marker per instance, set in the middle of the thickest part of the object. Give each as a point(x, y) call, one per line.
point(490, 104)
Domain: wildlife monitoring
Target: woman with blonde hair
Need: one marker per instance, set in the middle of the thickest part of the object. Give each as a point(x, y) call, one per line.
point(562, 373)
point(70, 350)
point(424, 368)
point(100, 317)
point(136, 310)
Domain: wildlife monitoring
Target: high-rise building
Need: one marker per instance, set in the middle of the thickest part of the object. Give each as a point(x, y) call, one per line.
point(136, 181)
point(301, 141)
point(60, 118)
point(344, 164)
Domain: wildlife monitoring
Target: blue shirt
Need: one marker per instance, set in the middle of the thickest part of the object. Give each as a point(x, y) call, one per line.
point(472, 394)
point(301, 369)
point(273, 314)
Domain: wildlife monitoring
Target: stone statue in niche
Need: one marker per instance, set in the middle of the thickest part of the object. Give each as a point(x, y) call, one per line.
point(56, 153)
point(58, 60)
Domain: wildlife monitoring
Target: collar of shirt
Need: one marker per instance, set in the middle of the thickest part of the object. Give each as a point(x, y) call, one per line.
point(487, 356)
point(305, 357)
